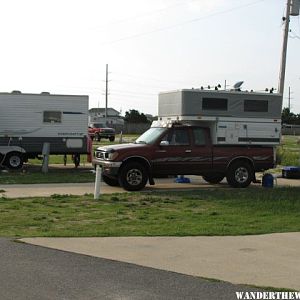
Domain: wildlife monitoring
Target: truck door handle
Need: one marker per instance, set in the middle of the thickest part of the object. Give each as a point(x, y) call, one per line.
point(188, 151)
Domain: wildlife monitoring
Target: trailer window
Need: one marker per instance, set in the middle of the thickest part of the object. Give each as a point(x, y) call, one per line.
point(256, 105)
point(52, 116)
point(214, 104)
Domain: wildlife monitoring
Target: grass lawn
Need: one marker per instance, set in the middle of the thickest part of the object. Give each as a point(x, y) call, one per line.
point(34, 175)
point(202, 212)
point(289, 151)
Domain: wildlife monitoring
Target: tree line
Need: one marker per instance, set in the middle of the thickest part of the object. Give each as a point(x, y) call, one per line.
point(289, 117)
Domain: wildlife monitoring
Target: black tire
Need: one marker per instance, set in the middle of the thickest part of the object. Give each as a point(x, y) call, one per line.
point(110, 181)
point(112, 138)
point(240, 174)
point(213, 178)
point(98, 137)
point(133, 176)
point(14, 160)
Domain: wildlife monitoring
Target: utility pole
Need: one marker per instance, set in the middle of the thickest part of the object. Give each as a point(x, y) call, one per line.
point(286, 20)
point(106, 93)
point(289, 98)
point(292, 9)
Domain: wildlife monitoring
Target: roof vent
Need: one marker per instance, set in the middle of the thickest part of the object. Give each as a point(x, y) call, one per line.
point(16, 92)
point(45, 93)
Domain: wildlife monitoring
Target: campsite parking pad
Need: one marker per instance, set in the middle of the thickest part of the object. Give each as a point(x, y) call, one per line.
point(262, 260)
point(37, 273)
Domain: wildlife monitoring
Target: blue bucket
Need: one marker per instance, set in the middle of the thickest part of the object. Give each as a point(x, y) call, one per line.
point(268, 180)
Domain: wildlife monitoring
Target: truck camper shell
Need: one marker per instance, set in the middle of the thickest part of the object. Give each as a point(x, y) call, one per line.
point(234, 117)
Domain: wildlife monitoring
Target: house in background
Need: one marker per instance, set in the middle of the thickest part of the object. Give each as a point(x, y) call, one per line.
point(114, 120)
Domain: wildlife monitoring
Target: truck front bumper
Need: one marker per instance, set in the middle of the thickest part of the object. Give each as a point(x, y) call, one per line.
point(110, 168)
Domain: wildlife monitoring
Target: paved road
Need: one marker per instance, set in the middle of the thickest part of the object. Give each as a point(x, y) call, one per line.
point(37, 273)
point(46, 190)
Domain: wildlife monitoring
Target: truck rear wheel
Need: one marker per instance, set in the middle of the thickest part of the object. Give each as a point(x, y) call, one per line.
point(14, 160)
point(133, 176)
point(240, 174)
point(213, 178)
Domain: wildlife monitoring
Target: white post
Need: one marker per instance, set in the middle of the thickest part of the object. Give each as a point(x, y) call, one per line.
point(97, 182)
point(45, 153)
point(121, 138)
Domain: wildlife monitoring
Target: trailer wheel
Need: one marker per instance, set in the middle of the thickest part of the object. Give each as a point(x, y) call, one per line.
point(133, 176)
point(213, 178)
point(240, 174)
point(14, 160)
point(110, 181)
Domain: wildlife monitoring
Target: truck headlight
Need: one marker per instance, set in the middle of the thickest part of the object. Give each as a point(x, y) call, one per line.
point(110, 155)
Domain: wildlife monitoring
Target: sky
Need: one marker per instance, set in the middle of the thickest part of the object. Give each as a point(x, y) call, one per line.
point(150, 46)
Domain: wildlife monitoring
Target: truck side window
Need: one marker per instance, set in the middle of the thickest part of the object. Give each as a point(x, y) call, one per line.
point(179, 137)
point(199, 136)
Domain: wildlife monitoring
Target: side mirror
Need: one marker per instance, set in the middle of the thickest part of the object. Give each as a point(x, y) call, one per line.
point(164, 143)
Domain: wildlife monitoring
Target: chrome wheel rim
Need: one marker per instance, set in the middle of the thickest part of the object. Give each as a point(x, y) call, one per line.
point(134, 177)
point(241, 175)
point(15, 161)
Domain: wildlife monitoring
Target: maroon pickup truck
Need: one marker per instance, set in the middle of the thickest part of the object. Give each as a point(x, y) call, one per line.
point(98, 131)
point(181, 150)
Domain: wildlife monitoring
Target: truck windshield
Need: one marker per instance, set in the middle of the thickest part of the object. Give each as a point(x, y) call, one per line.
point(99, 125)
point(151, 135)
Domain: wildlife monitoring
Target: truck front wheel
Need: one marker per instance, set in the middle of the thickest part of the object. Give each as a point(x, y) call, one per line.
point(240, 174)
point(133, 176)
point(14, 160)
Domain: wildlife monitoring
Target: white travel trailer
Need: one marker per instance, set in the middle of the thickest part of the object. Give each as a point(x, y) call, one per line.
point(234, 117)
point(27, 121)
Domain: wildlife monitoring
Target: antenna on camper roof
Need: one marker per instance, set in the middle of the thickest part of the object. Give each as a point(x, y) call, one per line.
point(237, 86)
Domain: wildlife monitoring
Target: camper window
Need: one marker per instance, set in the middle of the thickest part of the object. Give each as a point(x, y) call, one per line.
point(256, 105)
point(214, 104)
point(52, 117)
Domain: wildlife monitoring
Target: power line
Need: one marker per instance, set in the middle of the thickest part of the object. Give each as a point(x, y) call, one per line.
point(183, 23)
point(153, 12)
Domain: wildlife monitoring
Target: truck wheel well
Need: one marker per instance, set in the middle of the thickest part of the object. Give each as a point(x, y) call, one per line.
point(141, 160)
point(241, 159)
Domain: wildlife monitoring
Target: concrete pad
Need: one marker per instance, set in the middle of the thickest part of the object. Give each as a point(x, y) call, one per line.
point(264, 260)
point(46, 190)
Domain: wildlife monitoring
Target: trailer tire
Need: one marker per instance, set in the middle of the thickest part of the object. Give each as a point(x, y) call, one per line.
point(213, 178)
point(110, 181)
point(240, 174)
point(14, 160)
point(133, 176)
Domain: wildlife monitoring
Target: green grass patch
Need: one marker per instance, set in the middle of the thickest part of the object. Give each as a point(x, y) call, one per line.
point(34, 175)
point(187, 213)
point(288, 152)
